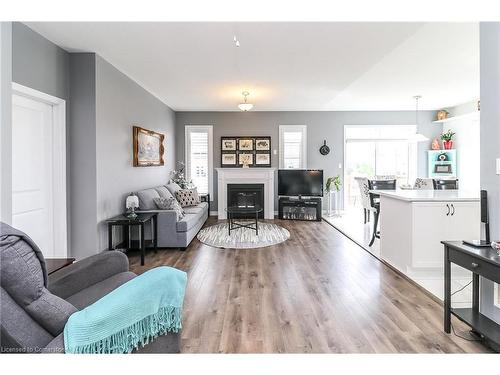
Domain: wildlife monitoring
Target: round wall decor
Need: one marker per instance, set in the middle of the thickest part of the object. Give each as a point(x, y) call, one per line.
point(324, 150)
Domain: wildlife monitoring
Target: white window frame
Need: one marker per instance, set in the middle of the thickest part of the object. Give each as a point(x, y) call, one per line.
point(412, 150)
point(293, 128)
point(187, 139)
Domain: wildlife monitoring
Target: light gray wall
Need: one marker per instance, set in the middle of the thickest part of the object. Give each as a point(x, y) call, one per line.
point(38, 63)
point(5, 122)
point(490, 137)
point(122, 103)
point(320, 126)
point(102, 104)
point(83, 165)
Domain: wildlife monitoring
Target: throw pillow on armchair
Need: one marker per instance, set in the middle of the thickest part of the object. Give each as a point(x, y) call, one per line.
point(187, 197)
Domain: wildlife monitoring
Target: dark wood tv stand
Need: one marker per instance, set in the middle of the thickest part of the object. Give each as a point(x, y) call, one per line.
point(306, 209)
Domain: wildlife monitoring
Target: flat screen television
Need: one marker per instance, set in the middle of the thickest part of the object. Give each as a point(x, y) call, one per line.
point(300, 182)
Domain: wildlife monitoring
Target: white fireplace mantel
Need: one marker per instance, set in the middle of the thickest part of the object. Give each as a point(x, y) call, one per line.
point(263, 176)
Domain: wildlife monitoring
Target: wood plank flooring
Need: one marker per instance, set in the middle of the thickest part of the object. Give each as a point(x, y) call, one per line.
point(318, 292)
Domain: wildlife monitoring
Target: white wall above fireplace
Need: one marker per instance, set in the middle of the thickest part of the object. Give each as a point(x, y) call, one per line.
point(263, 176)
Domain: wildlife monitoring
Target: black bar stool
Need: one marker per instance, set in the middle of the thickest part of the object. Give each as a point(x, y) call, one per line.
point(375, 201)
point(445, 184)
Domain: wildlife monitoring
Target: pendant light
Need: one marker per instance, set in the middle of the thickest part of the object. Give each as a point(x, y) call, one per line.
point(417, 137)
point(245, 106)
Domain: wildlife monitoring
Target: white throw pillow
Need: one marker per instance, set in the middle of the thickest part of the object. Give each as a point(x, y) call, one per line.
point(170, 204)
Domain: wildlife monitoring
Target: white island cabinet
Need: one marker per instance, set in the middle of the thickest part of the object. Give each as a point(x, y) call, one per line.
point(414, 222)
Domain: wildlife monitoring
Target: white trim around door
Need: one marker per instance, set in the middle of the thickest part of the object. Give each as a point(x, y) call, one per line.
point(58, 163)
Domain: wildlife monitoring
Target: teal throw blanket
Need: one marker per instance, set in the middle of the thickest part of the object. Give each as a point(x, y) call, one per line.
point(140, 310)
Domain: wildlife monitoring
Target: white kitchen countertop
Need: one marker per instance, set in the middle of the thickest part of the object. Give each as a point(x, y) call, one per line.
point(430, 195)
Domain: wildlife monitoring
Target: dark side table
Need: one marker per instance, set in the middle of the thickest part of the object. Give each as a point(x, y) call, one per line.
point(126, 223)
point(481, 261)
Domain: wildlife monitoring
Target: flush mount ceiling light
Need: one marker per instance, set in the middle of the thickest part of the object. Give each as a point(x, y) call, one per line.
point(245, 107)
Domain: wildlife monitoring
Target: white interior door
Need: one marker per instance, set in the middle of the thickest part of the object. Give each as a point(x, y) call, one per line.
point(33, 171)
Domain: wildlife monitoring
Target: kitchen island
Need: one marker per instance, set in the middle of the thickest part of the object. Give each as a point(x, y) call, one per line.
point(412, 225)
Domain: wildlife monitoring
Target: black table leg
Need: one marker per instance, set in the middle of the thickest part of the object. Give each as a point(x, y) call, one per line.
point(143, 245)
point(447, 290)
point(475, 292)
point(229, 222)
point(155, 235)
point(110, 236)
point(256, 223)
point(126, 236)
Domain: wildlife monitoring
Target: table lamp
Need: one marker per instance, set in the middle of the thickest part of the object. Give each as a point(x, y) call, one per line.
point(131, 204)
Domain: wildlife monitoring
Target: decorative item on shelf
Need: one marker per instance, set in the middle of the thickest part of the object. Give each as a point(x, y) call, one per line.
point(245, 106)
point(443, 157)
point(442, 115)
point(147, 147)
point(131, 203)
point(447, 139)
point(324, 150)
point(178, 176)
point(332, 188)
point(435, 145)
point(479, 105)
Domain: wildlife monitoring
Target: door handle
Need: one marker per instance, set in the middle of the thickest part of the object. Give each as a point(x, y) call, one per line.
point(453, 208)
point(447, 205)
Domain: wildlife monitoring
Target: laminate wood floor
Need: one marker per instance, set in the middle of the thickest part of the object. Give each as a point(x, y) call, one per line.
point(318, 292)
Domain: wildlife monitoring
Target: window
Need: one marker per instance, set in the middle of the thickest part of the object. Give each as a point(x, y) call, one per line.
point(199, 146)
point(293, 146)
point(377, 150)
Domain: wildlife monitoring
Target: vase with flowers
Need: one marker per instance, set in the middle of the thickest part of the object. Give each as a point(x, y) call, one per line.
point(447, 139)
point(178, 176)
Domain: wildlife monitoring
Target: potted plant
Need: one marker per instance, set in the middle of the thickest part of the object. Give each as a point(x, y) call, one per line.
point(447, 139)
point(332, 187)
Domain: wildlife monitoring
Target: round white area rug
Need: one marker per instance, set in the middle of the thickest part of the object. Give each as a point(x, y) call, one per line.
point(243, 238)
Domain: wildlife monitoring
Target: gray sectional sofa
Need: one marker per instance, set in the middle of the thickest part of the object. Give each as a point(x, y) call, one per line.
point(172, 231)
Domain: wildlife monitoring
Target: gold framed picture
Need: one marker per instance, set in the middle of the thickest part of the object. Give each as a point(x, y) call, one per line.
point(147, 147)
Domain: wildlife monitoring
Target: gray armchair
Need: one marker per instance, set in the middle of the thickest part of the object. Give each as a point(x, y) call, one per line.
point(35, 307)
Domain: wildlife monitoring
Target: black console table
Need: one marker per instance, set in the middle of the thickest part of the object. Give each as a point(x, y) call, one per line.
point(483, 262)
point(299, 209)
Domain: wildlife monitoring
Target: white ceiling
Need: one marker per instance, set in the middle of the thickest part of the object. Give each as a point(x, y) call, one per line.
point(287, 66)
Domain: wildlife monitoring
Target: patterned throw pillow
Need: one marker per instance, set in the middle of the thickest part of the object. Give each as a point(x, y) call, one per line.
point(187, 197)
point(170, 204)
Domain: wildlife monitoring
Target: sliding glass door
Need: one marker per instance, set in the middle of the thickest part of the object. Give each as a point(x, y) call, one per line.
point(377, 151)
